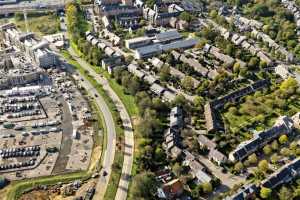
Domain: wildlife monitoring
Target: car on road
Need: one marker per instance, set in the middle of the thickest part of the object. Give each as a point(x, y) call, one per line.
point(104, 173)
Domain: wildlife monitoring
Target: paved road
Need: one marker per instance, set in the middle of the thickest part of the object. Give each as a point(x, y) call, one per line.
point(36, 6)
point(32, 6)
point(128, 131)
point(109, 153)
point(227, 179)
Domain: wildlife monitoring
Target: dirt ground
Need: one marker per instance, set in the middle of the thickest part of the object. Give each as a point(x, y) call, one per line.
point(38, 195)
point(54, 195)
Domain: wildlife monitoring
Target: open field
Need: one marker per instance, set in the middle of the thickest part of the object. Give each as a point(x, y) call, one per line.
point(40, 23)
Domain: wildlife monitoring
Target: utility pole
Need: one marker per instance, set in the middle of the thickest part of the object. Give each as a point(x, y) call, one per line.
point(25, 20)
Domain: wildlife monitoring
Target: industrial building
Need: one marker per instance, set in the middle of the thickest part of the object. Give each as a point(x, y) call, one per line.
point(146, 47)
point(16, 69)
point(38, 50)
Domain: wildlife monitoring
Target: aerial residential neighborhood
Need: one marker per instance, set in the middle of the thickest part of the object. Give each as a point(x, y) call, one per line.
point(149, 99)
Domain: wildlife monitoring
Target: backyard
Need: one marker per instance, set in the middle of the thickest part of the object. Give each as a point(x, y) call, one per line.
point(260, 111)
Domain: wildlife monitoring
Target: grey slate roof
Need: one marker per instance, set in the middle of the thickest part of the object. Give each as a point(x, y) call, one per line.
point(168, 35)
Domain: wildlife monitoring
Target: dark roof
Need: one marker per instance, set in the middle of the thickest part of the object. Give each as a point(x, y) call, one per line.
point(169, 35)
point(244, 193)
point(261, 139)
point(283, 175)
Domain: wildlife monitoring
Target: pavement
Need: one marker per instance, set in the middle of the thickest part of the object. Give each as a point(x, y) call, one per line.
point(128, 131)
point(228, 179)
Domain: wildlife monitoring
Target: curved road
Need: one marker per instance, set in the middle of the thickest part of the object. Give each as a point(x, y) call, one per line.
point(128, 131)
point(109, 153)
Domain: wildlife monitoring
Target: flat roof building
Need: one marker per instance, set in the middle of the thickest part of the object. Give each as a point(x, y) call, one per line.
point(137, 42)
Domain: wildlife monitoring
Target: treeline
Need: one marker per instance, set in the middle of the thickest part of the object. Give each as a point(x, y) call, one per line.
point(77, 27)
point(76, 23)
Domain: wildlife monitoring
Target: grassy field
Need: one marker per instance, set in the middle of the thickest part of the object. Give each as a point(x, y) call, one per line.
point(6, 20)
point(99, 141)
point(39, 23)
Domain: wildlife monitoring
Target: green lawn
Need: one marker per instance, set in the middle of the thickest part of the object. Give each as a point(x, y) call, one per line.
point(40, 23)
point(5, 20)
point(99, 125)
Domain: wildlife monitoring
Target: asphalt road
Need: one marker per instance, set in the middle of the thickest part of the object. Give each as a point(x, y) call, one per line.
point(109, 152)
point(128, 131)
point(37, 5)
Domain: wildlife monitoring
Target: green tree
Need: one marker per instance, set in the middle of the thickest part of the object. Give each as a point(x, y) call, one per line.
point(265, 193)
point(274, 158)
point(187, 83)
point(177, 169)
point(77, 26)
point(143, 186)
point(213, 14)
point(296, 193)
point(275, 145)
point(253, 63)
point(262, 64)
point(186, 16)
point(267, 150)
point(159, 155)
point(238, 166)
point(283, 139)
point(198, 102)
point(252, 158)
point(263, 165)
point(207, 187)
point(285, 151)
point(285, 193)
point(258, 174)
point(133, 86)
point(236, 67)
point(288, 84)
point(164, 73)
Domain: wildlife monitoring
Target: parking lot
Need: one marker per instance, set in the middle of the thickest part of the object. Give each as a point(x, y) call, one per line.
point(43, 129)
